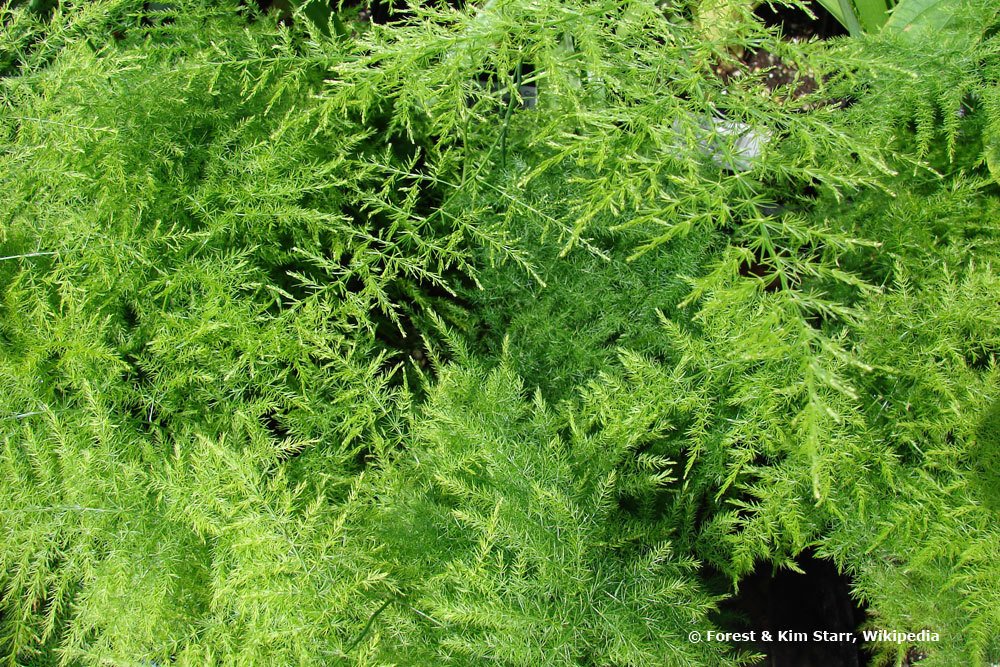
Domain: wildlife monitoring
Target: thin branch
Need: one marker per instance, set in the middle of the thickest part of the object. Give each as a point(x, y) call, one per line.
point(27, 254)
point(61, 508)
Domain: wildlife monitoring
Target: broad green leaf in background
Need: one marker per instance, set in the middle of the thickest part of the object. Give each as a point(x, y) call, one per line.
point(908, 17)
point(848, 13)
point(872, 14)
point(913, 17)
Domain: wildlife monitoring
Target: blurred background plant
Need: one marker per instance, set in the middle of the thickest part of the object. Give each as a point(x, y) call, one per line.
point(907, 18)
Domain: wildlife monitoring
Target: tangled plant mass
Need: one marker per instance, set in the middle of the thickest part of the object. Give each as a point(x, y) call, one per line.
point(493, 335)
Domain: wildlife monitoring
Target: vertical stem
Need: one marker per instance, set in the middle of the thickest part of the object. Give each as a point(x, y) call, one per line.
point(514, 95)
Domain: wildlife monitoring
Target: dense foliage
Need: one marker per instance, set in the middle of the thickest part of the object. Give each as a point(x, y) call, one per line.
point(482, 336)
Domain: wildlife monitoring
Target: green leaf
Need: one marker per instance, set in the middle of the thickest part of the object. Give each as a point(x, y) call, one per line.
point(872, 14)
point(915, 17)
point(844, 12)
point(833, 6)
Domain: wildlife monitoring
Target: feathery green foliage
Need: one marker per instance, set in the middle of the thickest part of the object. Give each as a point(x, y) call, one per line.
point(478, 337)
